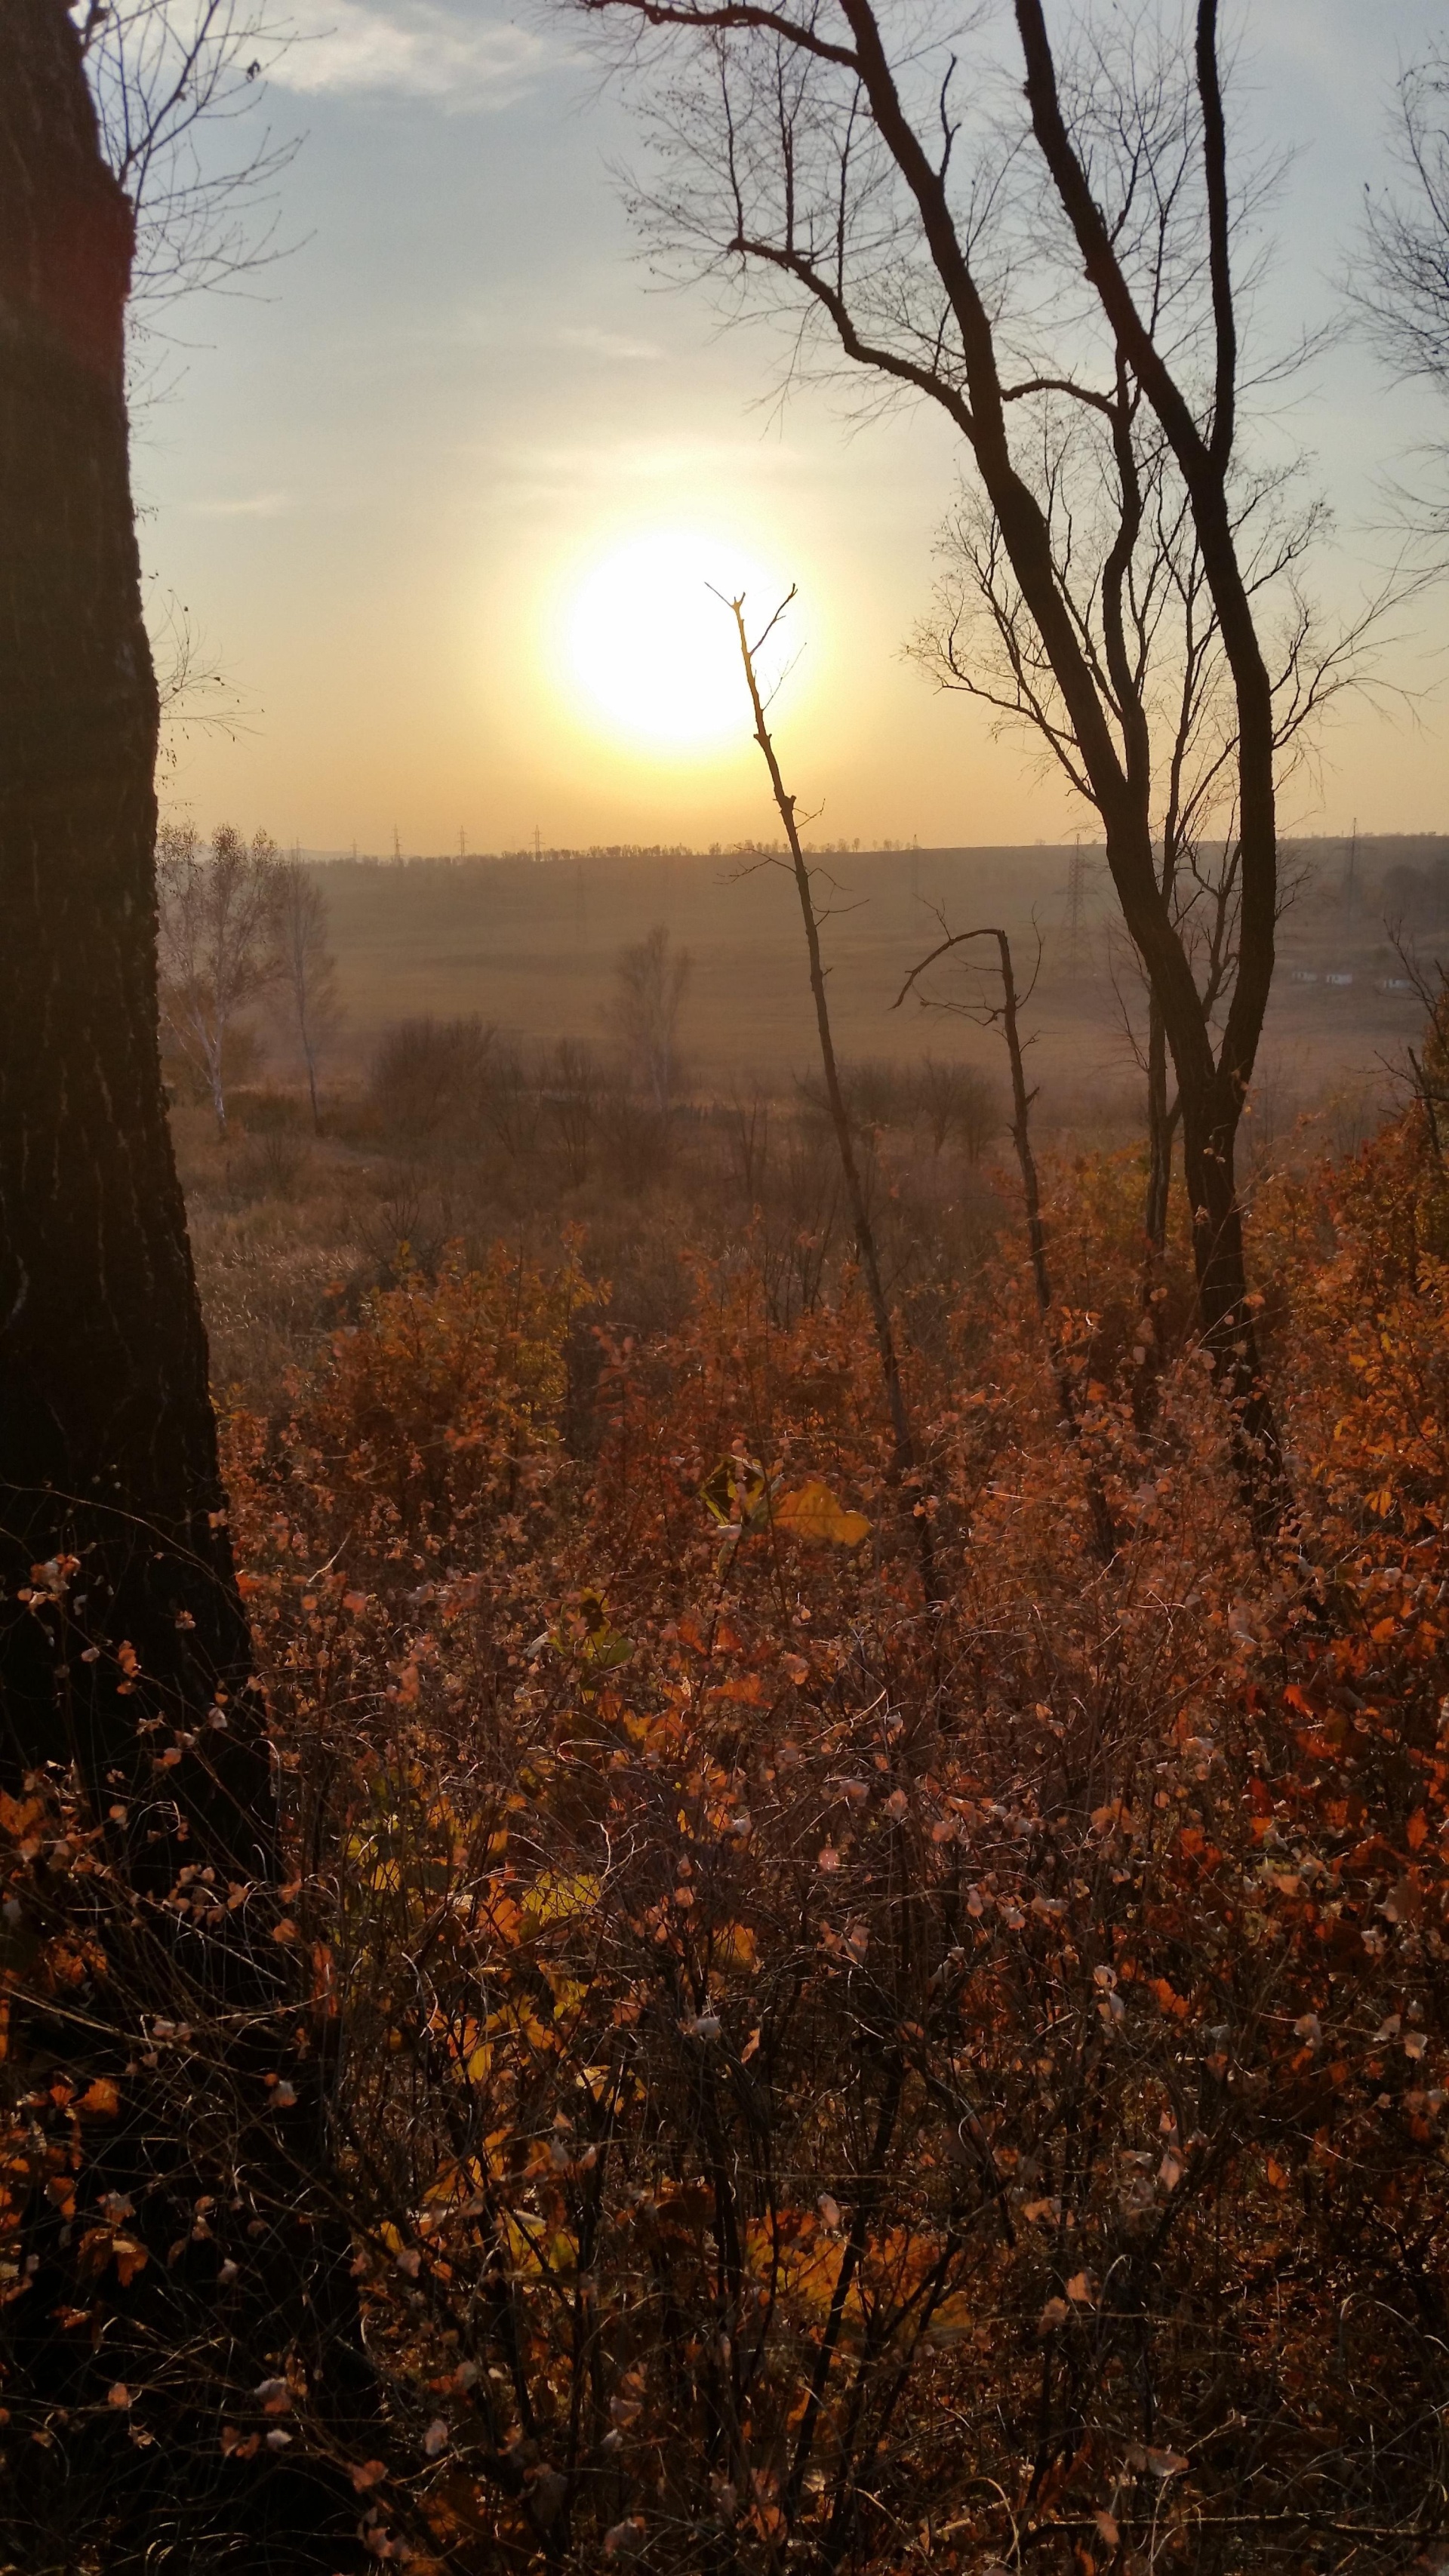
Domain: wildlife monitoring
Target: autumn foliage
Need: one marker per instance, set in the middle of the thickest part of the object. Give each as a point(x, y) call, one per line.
point(814, 2077)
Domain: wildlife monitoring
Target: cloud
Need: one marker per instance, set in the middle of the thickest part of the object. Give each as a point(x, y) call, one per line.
point(594, 343)
point(255, 505)
point(698, 465)
point(411, 49)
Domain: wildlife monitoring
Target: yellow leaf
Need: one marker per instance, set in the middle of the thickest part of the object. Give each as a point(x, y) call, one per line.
point(558, 1896)
point(812, 1511)
point(734, 1492)
point(735, 1947)
point(588, 1637)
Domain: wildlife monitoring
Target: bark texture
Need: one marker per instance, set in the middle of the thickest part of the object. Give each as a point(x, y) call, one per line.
point(107, 1437)
point(124, 1656)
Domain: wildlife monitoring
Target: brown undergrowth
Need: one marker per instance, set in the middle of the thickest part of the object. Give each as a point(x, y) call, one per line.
point(815, 2078)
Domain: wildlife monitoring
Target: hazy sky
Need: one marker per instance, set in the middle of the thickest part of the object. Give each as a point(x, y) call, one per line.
point(395, 479)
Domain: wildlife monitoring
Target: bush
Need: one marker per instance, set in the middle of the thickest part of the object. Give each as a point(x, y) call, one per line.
point(814, 2076)
point(431, 1080)
point(812, 2070)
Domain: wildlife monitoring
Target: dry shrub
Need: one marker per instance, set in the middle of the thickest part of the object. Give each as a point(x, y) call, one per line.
point(437, 1412)
point(820, 2080)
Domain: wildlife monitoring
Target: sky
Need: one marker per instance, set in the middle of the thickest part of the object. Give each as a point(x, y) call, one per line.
point(414, 489)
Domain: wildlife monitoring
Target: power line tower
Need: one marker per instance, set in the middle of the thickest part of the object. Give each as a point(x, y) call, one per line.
point(396, 843)
point(1350, 879)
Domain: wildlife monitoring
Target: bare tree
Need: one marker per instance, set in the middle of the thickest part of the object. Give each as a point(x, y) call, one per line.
point(217, 912)
point(165, 74)
point(431, 1080)
point(1004, 247)
point(1401, 289)
point(306, 968)
point(573, 1089)
point(957, 1101)
point(902, 1431)
point(988, 1012)
point(1403, 300)
point(651, 982)
point(1427, 1076)
point(1131, 570)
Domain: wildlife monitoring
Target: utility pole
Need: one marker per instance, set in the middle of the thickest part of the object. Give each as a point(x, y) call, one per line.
point(396, 843)
point(1350, 879)
point(537, 852)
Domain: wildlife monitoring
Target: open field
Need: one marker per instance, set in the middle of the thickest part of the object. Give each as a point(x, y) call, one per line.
point(286, 1224)
point(530, 946)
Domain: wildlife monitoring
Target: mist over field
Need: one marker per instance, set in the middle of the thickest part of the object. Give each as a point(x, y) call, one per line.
point(531, 945)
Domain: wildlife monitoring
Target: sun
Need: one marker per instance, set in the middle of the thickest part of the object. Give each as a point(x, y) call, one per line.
point(649, 645)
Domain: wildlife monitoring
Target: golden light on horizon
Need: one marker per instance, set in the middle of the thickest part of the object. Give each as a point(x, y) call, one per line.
point(649, 644)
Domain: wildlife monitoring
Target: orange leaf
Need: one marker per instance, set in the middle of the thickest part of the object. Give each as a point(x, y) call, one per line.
point(131, 2258)
point(813, 1512)
point(101, 2100)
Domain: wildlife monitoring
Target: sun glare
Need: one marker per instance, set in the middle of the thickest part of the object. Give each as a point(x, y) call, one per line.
point(652, 650)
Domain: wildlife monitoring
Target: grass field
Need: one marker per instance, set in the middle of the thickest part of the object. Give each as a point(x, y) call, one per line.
point(530, 946)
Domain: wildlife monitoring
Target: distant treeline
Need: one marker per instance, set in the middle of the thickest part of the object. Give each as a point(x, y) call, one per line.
point(1377, 854)
point(539, 856)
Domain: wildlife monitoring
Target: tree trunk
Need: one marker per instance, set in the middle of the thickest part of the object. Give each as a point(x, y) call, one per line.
point(1159, 1133)
point(902, 1433)
point(1209, 1134)
point(107, 1437)
point(125, 1676)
